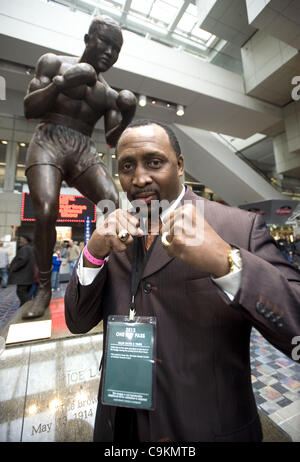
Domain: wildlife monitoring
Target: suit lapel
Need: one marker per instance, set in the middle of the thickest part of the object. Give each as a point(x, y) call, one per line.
point(158, 259)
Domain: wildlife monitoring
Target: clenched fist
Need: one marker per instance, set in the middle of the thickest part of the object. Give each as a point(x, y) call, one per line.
point(105, 237)
point(194, 241)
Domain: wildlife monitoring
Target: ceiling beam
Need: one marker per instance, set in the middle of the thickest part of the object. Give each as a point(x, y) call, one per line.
point(125, 11)
point(179, 15)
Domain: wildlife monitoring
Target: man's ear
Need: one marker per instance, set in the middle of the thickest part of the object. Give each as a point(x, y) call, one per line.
point(180, 164)
point(86, 39)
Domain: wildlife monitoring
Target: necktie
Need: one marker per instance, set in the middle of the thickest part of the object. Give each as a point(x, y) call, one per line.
point(153, 231)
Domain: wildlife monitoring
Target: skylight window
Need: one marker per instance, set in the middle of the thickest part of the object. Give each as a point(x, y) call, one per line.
point(142, 6)
point(117, 3)
point(164, 11)
point(188, 27)
point(201, 34)
point(172, 22)
point(186, 23)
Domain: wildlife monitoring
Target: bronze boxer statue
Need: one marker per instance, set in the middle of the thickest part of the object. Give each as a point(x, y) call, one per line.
point(69, 95)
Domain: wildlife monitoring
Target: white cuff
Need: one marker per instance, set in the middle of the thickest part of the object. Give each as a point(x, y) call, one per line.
point(87, 275)
point(230, 283)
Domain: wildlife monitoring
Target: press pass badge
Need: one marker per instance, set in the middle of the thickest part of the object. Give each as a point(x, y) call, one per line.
point(129, 366)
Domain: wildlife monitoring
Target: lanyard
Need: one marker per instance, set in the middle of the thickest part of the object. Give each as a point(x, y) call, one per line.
point(137, 272)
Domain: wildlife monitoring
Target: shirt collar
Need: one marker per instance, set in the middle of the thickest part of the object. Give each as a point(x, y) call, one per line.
point(173, 204)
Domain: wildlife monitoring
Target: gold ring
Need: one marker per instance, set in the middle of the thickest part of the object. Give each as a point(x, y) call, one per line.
point(123, 235)
point(164, 240)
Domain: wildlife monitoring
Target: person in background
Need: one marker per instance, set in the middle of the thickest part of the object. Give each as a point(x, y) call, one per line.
point(291, 258)
point(56, 262)
point(63, 252)
point(286, 247)
point(281, 244)
point(73, 253)
point(22, 269)
point(290, 249)
point(3, 265)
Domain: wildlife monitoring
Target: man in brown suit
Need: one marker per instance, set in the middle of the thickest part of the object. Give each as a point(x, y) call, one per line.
point(206, 298)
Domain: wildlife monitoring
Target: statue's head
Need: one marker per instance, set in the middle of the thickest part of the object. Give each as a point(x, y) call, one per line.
point(103, 42)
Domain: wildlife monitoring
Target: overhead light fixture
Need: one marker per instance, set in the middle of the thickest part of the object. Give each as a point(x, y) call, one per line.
point(142, 100)
point(4, 141)
point(22, 144)
point(153, 101)
point(113, 156)
point(179, 110)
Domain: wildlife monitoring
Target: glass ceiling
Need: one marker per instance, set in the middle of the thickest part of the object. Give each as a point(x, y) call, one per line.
point(172, 22)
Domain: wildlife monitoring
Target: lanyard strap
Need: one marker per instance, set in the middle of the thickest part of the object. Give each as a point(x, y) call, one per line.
point(137, 272)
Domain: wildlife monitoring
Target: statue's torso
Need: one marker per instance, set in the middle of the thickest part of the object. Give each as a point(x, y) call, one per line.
point(84, 103)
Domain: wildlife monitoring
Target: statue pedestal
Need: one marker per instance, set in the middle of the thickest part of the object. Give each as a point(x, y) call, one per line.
point(54, 313)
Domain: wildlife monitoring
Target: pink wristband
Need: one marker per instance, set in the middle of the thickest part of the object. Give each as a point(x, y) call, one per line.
point(91, 259)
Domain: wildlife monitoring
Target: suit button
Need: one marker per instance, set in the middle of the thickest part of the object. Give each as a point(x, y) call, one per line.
point(268, 315)
point(147, 288)
point(273, 317)
point(260, 308)
point(279, 322)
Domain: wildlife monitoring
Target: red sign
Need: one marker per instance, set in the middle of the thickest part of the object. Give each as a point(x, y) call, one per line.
point(284, 211)
point(71, 209)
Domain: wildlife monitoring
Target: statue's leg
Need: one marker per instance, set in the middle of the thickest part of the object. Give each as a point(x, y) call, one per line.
point(44, 183)
point(96, 184)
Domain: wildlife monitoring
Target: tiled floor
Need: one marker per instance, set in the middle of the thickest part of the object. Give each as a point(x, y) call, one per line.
point(49, 389)
point(276, 385)
point(9, 303)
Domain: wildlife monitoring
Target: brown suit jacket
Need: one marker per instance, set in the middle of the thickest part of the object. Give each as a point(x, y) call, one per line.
point(204, 390)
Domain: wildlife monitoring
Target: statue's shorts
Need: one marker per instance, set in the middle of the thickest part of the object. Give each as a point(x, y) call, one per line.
point(62, 147)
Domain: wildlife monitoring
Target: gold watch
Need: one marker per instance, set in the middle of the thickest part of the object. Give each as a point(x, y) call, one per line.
point(235, 260)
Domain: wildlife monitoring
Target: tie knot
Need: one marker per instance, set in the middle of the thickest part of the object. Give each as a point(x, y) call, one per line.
point(154, 228)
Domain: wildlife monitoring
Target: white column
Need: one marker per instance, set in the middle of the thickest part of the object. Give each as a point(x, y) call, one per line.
point(11, 162)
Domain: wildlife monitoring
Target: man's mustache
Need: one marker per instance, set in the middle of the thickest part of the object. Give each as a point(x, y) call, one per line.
point(144, 192)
